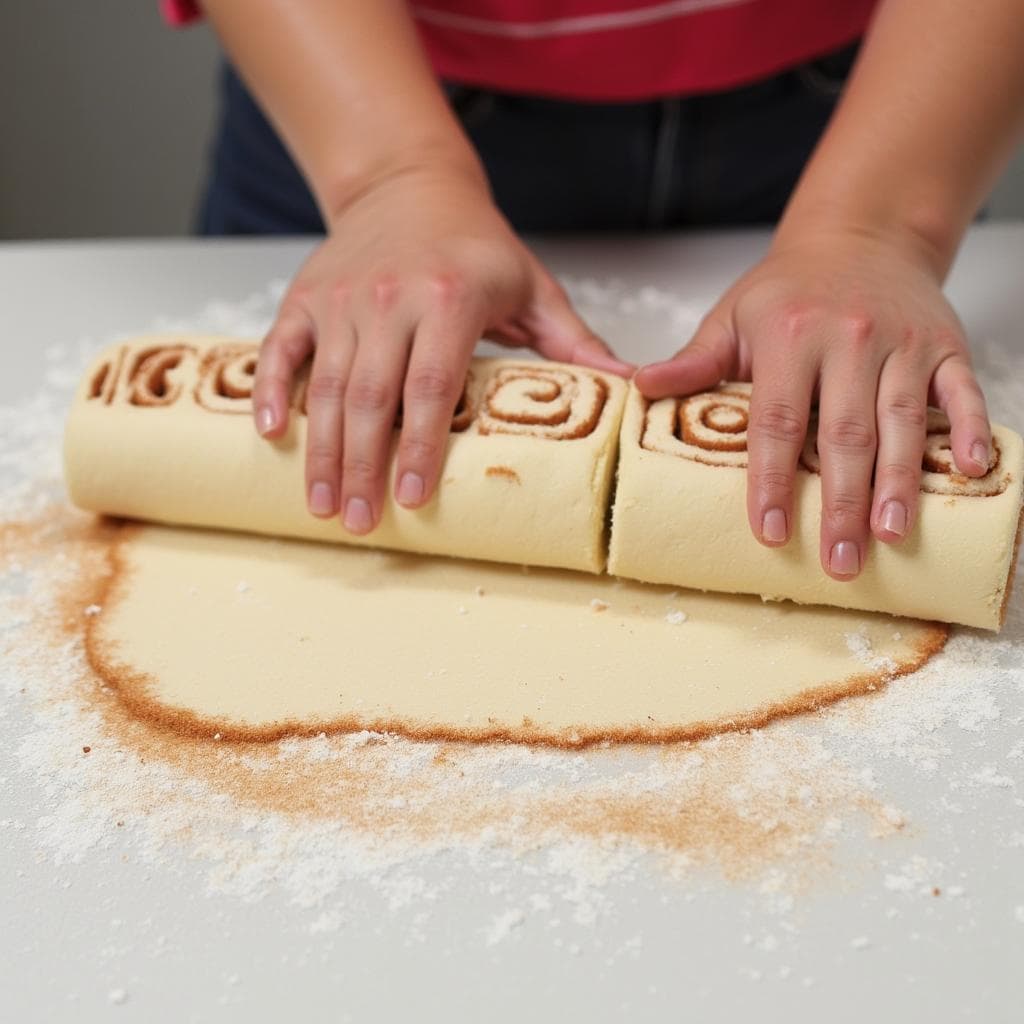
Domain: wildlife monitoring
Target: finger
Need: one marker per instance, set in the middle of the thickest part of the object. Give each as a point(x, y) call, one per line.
point(285, 348)
point(509, 333)
point(371, 404)
point(560, 334)
point(847, 439)
point(902, 419)
point(325, 404)
point(710, 357)
point(779, 410)
point(434, 383)
point(960, 398)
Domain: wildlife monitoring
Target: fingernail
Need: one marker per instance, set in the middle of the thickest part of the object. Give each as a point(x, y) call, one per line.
point(358, 518)
point(894, 518)
point(844, 559)
point(773, 526)
point(321, 499)
point(410, 489)
point(979, 453)
point(265, 419)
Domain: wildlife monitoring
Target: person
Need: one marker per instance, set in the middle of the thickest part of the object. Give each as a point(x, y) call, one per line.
point(431, 133)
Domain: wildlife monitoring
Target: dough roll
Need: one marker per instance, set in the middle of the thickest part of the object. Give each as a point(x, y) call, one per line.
point(680, 518)
point(161, 429)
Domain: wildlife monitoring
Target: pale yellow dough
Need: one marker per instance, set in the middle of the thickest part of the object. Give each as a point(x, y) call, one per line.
point(154, 434)
point(251, 637)
point(161, 429)
point(680, 517)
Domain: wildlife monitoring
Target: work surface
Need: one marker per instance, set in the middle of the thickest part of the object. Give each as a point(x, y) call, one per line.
point(913, 911)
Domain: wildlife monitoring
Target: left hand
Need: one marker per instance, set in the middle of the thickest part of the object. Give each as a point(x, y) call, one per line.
point(860, 321)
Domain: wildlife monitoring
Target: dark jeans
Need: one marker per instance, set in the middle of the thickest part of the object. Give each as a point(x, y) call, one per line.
point(717, 159)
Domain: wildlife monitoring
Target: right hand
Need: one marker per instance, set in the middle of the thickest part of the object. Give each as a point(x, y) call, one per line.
point(413, 272)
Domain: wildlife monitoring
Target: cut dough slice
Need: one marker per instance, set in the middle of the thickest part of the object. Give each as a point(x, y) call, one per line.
point(680, 517)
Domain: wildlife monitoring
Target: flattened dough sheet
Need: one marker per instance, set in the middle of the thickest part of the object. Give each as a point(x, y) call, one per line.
point(253, 638)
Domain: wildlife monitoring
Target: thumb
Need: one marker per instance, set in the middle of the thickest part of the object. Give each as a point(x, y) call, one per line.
point(558, 332)
point(710, 357)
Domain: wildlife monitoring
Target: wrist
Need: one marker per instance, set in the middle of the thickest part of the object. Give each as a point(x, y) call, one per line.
point(433, 161)
point(924, 230)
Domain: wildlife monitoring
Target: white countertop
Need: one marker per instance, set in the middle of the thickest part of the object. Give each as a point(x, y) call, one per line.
point(111, 931)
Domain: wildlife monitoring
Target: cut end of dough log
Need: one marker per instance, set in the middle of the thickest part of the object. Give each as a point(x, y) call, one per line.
point(680, 517)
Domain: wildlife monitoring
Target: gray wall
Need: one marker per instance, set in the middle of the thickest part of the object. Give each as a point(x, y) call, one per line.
point(106, 114)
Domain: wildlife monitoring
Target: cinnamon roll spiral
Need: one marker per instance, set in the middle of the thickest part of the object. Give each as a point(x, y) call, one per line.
point(157, 376)
point(541, 401)
point(710, 427)
point(226, 377)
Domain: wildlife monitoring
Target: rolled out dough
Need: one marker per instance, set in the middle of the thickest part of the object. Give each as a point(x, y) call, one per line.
point(161, 429)
point(680, 517)
point(235, 637)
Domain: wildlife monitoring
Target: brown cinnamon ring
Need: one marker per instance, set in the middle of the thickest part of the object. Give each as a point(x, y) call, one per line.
point(710, 427)
point(103, 383)
point(226, 377)
point(156, 376)
point(940, 475)
point(554, 403)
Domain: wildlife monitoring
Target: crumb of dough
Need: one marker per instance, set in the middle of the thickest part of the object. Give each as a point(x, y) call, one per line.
point(675, 618)
point(598, 605)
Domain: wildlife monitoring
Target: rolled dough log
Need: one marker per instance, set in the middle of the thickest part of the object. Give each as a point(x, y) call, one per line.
point(160, 429)
point(680, 518)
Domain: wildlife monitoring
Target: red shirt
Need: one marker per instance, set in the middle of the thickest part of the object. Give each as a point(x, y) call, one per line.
point(621, 49)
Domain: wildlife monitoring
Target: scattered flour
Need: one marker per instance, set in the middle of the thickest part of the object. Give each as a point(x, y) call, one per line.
point(860, 647)
point(504, 924)
point(773, 811)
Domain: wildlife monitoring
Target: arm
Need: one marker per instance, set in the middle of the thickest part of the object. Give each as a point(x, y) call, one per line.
point(349, 89)
point(848, 303)
point(931, 115)
point(417, 265)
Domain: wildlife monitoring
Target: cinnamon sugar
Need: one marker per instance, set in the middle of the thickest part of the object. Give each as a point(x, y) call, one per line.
point(775, 810)
point(690, 804)
point(503, 473)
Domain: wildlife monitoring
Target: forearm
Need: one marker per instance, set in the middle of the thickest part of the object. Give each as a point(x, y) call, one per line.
point(929, 117)
point(347, 86)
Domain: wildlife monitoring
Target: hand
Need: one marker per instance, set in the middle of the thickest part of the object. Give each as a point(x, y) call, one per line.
point(861, 322)
point(413, 273)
